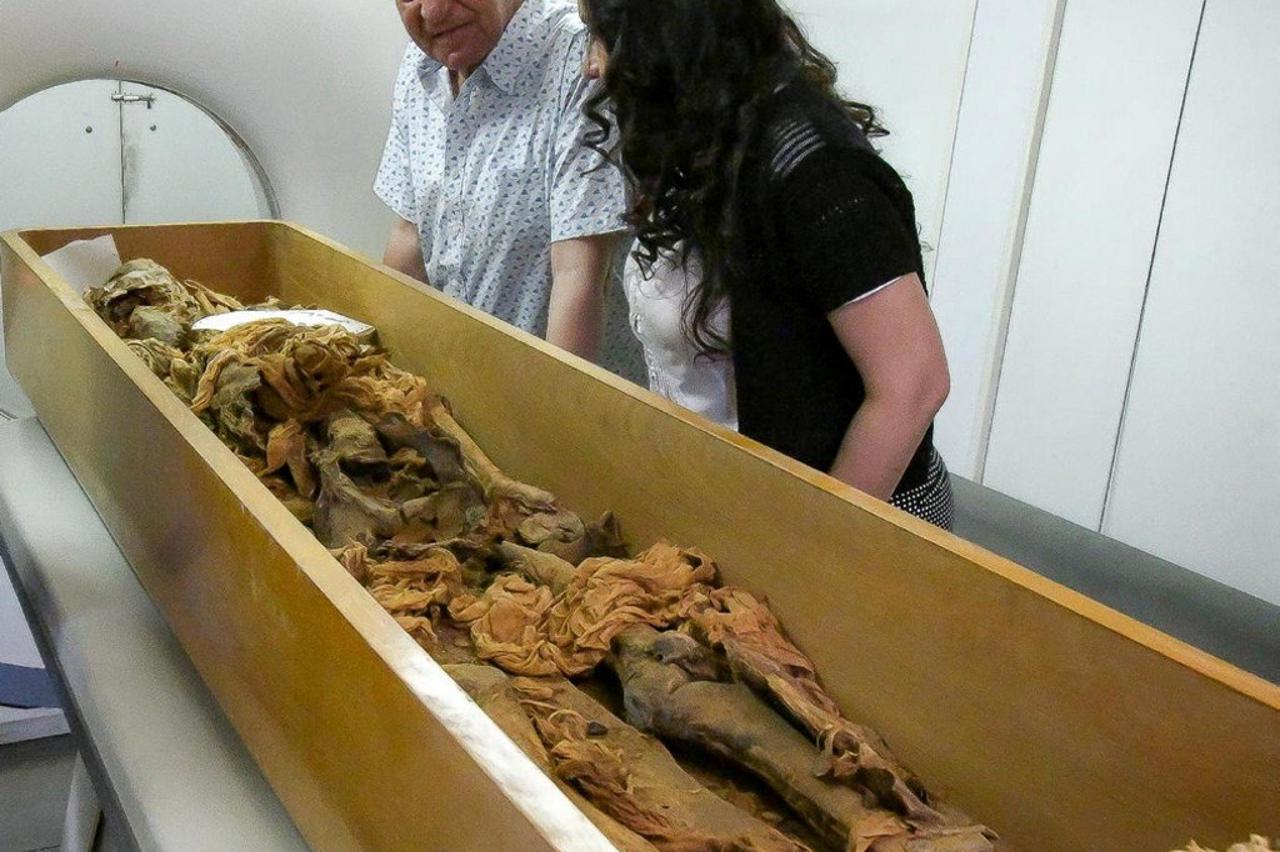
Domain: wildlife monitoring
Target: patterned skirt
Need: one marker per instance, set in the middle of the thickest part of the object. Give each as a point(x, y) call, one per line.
point(932, 499)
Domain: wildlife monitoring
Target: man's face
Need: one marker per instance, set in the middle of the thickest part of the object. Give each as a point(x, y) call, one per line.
point(459, 34)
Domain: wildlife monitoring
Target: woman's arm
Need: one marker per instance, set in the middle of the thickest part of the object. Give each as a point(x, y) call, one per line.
point(894, 342)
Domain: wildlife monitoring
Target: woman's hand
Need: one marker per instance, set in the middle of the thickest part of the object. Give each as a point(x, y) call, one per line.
point(893, 340)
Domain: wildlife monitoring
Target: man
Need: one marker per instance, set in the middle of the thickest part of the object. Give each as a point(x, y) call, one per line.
point(501, 204)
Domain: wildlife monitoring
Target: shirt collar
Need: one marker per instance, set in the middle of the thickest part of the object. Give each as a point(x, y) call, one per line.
point(516, 55)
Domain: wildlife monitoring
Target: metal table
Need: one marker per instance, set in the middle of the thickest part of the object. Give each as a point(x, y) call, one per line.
point(1232, 625)
point(169, 771)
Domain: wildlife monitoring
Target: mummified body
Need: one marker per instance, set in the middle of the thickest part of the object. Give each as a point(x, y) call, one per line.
point(527, 606)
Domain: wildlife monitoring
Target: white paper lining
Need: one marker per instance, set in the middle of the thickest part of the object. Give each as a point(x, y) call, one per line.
point(85, 263)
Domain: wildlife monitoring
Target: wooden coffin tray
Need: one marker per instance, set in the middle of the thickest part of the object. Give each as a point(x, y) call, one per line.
point(1059, 722)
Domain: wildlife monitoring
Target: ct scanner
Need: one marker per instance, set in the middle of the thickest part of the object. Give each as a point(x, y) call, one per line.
point(306, 86)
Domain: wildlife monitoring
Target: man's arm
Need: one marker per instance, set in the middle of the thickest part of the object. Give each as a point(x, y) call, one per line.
point(404, 250)
point(579, 280)
point(588, 205)
point(893, 339)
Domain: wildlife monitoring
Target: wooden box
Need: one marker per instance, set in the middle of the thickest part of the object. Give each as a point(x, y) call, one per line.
point(1059, 722)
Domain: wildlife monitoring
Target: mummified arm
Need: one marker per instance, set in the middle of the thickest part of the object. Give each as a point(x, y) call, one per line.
point(732, 722)
point(519, 510)
point(490, 476)
point(634, 779)
point(538, 567)
point(855, 753)
point(762, 657)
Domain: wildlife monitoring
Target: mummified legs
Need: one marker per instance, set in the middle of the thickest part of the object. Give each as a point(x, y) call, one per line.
point(639, 796)
point(668, 690)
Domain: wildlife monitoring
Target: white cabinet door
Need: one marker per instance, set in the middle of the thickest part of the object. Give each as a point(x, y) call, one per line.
point(996, 135)
point(181, 165)
point(59, 164)
point(1198, 475)
point(1104, 160)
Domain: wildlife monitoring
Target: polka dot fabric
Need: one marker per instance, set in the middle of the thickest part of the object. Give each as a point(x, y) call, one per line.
point(496, 174)
point(931, 500)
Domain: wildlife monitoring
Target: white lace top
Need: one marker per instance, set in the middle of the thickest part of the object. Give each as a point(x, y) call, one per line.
point(677, 370)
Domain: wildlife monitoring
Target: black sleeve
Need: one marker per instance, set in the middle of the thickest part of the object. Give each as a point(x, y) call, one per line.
point(845, 224)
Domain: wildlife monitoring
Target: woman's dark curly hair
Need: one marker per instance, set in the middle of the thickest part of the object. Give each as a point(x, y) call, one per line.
point(684, 84)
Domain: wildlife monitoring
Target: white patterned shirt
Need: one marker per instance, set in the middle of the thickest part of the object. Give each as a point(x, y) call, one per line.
point(493, 176)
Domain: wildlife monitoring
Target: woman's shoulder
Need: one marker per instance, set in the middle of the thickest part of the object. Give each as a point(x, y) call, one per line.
point(817, 163)
point(799, 123)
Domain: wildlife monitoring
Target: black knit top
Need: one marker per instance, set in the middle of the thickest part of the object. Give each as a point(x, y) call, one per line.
point(824, 221)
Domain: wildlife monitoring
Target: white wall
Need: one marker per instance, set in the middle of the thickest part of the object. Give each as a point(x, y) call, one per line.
point(60, 158)
point(73, 155)
point(81, 184)
point(907, 60)
point(1133, 388)
point(180, 165)
point(1198, 474)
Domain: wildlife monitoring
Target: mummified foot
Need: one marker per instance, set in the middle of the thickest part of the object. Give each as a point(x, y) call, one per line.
point(498, 698)
point(635, 780)
point(669, 691)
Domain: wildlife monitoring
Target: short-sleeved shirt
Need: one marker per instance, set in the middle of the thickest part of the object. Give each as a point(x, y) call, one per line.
point(493, 176)
point(825, 221)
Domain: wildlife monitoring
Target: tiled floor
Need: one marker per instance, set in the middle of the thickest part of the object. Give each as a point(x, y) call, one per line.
point(34, 779)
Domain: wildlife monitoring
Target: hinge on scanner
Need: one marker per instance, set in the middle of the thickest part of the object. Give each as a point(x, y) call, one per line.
point(134, 99)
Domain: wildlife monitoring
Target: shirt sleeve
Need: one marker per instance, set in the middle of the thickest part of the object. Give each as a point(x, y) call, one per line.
point(841, 232)
point(587, 193)
point(394, 183)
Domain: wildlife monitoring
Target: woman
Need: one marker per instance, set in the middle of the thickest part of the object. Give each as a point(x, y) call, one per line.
point(777, 255)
